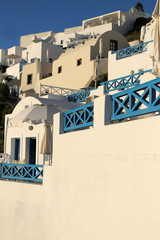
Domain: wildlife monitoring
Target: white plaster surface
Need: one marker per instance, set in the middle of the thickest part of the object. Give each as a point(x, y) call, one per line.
point(103, 184)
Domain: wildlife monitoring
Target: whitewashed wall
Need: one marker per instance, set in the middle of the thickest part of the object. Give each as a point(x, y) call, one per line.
point(122, 67)
point(39, 50)
point(104, 184)
point(14, 70)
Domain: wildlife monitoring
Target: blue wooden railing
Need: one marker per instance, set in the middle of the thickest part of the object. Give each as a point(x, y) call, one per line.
point(138, 100)
point(79, 96)
point(79, 117)
point(32, 60)
point(25, 172)
point(123, 82)
point(126, 52)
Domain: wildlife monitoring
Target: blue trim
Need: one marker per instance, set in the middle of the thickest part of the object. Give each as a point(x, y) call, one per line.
point(138, 100)
point(24, 172)
point(32, 60)
point(79, 117)
point(123, 82)
point(80, 96)
point(126, 52)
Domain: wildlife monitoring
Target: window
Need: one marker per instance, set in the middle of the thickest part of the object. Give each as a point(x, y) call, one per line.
point(113, 45)
point(79, 62)
point(29, 79)
point(61, 42)
point(60, 69)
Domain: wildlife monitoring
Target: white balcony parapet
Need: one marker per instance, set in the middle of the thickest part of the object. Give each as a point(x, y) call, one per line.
point(1, 157)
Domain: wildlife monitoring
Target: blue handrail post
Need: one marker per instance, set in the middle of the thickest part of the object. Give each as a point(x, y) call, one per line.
point(0, 169)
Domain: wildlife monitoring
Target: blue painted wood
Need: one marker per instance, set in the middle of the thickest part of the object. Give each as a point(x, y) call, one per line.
point(80, 96)
point(126, 52)
point(79, 117)
point(124, 82)
point(24, 172)
point(138, 100)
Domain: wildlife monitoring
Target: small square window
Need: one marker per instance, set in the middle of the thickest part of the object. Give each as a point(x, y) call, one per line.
point(60, 69)
point(29, 79)
point(113, 45)
point(10, 61)
point(79, 62)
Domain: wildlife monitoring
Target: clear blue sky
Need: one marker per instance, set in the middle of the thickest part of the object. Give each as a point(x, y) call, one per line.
point(32, 16)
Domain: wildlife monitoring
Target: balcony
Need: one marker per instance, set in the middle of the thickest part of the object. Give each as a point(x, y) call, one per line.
point(124, 82)
point(79, 117)
point(126, 52)
point(80, 96)
point(46, 89)
point(140, 100)
point(22, 172)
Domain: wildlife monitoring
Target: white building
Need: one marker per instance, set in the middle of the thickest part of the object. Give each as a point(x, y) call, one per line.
point(116, 21)
point(26, 126)
point(47, 46)
point(104, 180)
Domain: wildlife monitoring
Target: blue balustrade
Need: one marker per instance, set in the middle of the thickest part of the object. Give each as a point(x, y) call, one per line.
point(32, 60)
point(24, 63)
point(23, 172)
point(80, 96)
point(79, 117)
point(138, 100)
point(126, 52)
point(124, 82)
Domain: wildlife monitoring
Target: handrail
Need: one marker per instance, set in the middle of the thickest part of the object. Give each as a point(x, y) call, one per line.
point(124, 82)
point(23, 172)
point(136, 101)
point(126, 52)
point(79, 117)
point(46, 89)
point(80, 96)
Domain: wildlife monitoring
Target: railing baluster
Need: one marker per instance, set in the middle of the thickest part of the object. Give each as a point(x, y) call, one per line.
point(126, 52)
point(136, 101)
point(45, 89)
point(80, 96)
point(79, 118)
point(23, 172)
point(124, 82)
